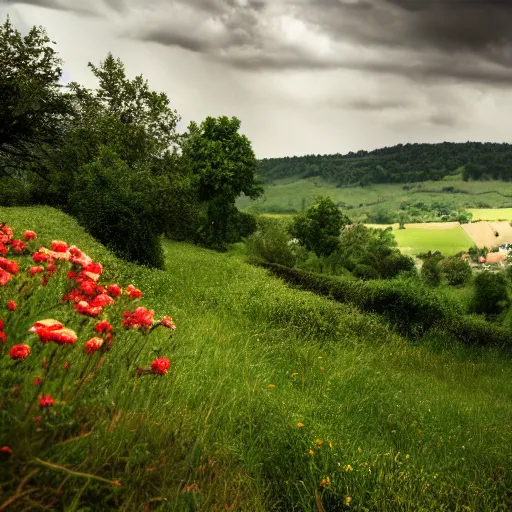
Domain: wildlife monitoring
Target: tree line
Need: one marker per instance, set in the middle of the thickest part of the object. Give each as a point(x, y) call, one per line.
point(403, 163)
point(112, 156)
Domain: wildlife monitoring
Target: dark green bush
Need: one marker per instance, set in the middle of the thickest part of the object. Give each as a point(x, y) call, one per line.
point(365, 272)
point(456, 270)
point(110, 201)
point(491, 294)
point(412, 308)
point(430, 272)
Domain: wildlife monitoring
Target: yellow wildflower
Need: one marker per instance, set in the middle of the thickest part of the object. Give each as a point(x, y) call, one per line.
point(294, 374)
point(300, 425)
point(348, 499)
point(271, 386)
point(359, 449)
point(311, 452)
point(325, 482)
point(319, 442)
point(348, 467)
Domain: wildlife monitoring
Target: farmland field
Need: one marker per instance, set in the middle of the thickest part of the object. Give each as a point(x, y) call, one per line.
point(417, 240)
point(491, 213)
point(292, 196)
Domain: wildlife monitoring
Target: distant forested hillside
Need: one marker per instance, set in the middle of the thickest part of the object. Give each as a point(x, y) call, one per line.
point(398, 164)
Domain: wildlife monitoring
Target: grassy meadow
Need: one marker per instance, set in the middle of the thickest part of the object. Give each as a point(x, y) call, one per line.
point(292, 196)
point(491, 213)
point(451, 241)
point(276, 400)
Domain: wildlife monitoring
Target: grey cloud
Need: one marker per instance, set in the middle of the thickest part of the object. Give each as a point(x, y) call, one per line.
point(375, 104)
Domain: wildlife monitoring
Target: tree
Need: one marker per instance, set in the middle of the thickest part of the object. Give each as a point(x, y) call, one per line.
point(223, 166)
point(491, 294)
point(33, 108)
point(375, 248)
point(318, 229)
point(456, 270)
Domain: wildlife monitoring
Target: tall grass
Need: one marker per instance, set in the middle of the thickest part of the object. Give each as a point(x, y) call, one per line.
point(394, 425)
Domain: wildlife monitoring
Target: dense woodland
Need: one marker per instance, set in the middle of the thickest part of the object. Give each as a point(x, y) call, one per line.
point(398, 164)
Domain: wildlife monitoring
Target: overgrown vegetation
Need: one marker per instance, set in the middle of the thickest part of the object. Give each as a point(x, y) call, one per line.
point(117, 146)
point(276, 399)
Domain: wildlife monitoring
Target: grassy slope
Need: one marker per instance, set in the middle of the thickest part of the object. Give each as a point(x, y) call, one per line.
point(287, 195)
point(423, 428)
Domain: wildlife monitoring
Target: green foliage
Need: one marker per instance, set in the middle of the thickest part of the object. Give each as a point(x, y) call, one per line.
point(222, 164)
point(318, 229)
point(375, 248)
point(33, 109)
point(388, 406)
point(490, 294)
point(272, 243)
point(383, 216)
point(405, 303)
point(430, 272)
point(456, 270)
point(407, 163)
point(111, 201)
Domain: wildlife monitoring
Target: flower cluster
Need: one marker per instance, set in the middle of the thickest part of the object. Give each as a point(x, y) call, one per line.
point(86, 295)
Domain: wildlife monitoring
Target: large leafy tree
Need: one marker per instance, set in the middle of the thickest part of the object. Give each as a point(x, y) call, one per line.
point(223, 165)
point(33, 108)
point(318, 229)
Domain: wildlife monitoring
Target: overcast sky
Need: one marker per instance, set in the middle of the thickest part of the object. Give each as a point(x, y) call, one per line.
point(304, 76)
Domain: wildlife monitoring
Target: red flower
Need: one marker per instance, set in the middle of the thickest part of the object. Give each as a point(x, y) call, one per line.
point(19, 351)
point(6, 449)
point(84, 308)
point(35, 270)
point(52, 330)
point(102, 300)
point(3, 249)
point(93, 345)
point(133, 292)
point(160, 365)
point(18, 246)
point(39, 257)
point(44, 282)
point(29, 235)
point(38, 381)
point(11, 305)
point(45, 401)
point(51, 267)
point(3, 337)
point(67, 365)
point(7, 230)
point(71, 274)
point(167, 322)
point(88, 287)
point(114, 290)
point(2, 325)
point(95, 268)
point(102, 327)
point(37, 419)
point(59, 246)
point(11, 266)
point(5, 277)
point(141, 318)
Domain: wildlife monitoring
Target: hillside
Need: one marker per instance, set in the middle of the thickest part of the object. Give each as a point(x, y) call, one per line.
point(407, 163)
point(276, 399)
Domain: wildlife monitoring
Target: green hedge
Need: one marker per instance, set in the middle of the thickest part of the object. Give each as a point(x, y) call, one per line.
point(411, 307)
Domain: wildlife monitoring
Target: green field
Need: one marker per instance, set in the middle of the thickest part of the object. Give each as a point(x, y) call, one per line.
point(448, 241)
point(394, 425)
point(289, 196)
point(491, 213)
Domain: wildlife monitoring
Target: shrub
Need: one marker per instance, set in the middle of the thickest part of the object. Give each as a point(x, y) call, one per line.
point(456, 270)
point(111, 202)
point(271, 243)
point(430, 272)
point(365, 272)
point(490, 294)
